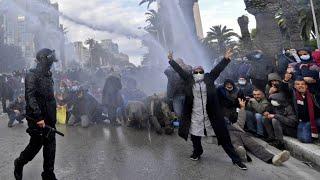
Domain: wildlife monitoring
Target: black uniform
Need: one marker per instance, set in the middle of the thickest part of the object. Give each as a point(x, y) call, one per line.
point(40, 105)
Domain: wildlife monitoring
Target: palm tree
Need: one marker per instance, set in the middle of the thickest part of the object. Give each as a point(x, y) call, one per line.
point(149, 2)
point(153, 20)
point(92, 50)
point(222, 36)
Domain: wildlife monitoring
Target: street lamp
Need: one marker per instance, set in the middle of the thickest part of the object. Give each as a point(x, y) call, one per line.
point(315, 24)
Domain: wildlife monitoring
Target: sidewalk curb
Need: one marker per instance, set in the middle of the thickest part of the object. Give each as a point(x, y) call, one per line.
point(304, 152)
point(308, 152)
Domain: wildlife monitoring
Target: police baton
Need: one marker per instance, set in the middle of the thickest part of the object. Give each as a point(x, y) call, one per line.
point(51, 129)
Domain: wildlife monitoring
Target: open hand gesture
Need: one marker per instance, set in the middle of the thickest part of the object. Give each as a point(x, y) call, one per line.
point(228, 54)
point(242, 103)
point(170, 55)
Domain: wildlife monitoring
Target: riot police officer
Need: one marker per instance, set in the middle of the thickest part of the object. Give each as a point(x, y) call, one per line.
point(40, 112)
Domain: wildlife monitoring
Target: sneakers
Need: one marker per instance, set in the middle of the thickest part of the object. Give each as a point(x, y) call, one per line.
point(278, 159)
point(18, 170)
point(241, 151)
point(196, 156)
point(241, 166)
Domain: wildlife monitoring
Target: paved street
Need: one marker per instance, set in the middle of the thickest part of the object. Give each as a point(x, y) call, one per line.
point(122, 153)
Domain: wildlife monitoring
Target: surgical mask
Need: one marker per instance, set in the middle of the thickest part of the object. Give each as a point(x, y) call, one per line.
point(305, 57)
point(74, 88)
point(275, 103)
point(229, 88)
point(198, 77)
point(242, 82)
point(258, 56)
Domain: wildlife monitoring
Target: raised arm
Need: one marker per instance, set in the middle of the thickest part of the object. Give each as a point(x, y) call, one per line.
point(216, 71)
point(182, 73)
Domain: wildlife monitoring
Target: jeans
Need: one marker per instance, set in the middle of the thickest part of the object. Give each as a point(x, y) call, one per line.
point(259, 120)
point(178, 102)
point(13, 116)
point(273, 128)
point(254, 123)
point(304, 131)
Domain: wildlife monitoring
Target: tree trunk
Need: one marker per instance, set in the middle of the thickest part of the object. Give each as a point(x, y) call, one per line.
point(243, 22)
point(291, 14)
point(268, 38)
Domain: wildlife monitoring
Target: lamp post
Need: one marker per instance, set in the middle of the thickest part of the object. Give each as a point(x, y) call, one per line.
point(315, 24)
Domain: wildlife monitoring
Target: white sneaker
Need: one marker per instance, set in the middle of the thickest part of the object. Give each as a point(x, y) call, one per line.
point(280, 158)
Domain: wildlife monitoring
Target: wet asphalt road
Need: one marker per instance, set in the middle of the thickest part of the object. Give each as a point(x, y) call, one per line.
point(121, 153)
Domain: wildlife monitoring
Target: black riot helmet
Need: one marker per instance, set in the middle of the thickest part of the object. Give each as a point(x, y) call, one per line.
point(45, 58)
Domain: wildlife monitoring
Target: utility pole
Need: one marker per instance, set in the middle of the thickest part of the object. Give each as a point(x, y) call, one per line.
point(315, 24)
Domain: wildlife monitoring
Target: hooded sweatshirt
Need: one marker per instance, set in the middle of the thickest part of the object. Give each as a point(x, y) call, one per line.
point(285, 114)
point(272, 77)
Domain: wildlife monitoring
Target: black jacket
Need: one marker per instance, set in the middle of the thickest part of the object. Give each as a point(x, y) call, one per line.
point(212, 106)
point(40, 101)
point(86, 105)
point(111, 95)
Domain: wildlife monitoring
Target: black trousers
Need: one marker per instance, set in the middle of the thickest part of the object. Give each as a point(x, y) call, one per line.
point(49, 151)
point(227, 147)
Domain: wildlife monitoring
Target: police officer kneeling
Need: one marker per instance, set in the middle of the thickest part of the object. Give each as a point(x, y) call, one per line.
point(40, 112)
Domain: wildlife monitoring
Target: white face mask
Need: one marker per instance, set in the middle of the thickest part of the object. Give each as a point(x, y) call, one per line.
point(198, 77)
point(258, 56)
point(275, 103)
point(242, 82)
point(305, 57)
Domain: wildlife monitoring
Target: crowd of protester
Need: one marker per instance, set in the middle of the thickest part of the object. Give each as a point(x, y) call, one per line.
point(254, 99)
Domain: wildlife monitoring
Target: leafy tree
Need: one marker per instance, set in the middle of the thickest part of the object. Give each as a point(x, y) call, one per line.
point(222, 36)
point(253, 33)
point(147, 1)
point(305, 17)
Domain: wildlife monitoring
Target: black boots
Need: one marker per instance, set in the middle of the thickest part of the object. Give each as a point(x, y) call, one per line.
point(48, 176)
point(18, 170)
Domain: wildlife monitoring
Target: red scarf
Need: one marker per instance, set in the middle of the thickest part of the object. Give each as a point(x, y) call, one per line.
point(310, 102)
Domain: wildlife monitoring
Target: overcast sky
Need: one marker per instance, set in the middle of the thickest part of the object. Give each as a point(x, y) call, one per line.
point(127, 13)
